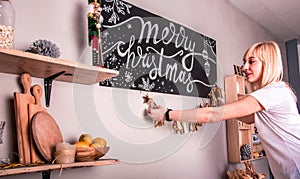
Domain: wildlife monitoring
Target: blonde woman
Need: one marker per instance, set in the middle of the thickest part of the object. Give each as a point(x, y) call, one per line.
point(274, 106)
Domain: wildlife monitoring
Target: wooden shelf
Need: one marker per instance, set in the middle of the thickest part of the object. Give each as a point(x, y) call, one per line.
point(238, 132)
point(254, 159)
point(244, 126)
point(18, 62)
point(50, 167)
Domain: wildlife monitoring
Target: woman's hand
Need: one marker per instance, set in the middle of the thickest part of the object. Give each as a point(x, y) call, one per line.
point(157, 113)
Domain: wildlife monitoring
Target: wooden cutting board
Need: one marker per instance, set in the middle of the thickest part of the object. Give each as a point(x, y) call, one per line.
point(21, 101)
point(34, 108)
point(46, 134)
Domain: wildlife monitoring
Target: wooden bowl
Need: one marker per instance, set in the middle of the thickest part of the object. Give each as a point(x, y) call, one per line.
point(90, 153)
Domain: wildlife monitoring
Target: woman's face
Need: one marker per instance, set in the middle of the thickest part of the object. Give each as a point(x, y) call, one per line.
point(253, 68)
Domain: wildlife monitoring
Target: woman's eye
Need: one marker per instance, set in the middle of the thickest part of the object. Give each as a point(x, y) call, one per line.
point(251, 62)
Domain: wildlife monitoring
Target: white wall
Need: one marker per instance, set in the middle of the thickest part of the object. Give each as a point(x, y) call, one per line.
point(298, 47)
point(105, 111)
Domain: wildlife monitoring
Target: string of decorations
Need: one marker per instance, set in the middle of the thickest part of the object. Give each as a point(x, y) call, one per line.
point(180, 127)
point(95, 20)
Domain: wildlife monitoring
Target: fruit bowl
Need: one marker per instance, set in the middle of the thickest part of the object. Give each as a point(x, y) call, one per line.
point(84, 154)
point(100, 152)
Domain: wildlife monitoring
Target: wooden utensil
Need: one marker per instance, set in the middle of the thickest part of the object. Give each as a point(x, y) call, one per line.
point(46, 134)
point(21, 101)
point(34, 108)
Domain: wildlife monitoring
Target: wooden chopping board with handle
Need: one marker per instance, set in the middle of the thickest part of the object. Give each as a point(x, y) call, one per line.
point(46, 134)
point(21, 101)
point(34, 108)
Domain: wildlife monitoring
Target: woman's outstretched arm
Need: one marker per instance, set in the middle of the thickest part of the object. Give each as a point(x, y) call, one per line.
point(243, 107)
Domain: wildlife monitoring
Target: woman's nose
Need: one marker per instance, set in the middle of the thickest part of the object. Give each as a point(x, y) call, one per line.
point(244, 67)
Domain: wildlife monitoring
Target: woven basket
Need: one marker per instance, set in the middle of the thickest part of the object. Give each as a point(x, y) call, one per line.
point(90, 153)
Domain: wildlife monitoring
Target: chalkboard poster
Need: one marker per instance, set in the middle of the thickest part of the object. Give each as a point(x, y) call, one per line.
point(155, 54)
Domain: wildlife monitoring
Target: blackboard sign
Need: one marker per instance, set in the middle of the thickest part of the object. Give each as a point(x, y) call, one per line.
point(155, 54)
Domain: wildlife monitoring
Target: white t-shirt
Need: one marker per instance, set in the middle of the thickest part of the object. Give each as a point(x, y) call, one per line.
point(279, 129)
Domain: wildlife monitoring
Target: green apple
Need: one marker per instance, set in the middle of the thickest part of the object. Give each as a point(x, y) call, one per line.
point(86, 138)
point(99, 142)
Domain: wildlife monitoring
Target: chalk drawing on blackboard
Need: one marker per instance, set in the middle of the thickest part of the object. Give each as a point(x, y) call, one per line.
point(155, 54)
point(115, 9)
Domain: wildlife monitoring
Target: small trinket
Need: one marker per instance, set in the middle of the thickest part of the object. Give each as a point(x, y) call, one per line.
point(151, 104)
point(193, 127)
point(215, 94)
point(178, 127)
point(2, 125)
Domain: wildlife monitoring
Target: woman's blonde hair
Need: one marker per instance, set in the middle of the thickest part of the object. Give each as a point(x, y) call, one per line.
point(270, 55)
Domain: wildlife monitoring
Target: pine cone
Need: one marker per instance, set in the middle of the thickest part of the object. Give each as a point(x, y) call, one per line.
point(246, 152)
point(44, 47)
